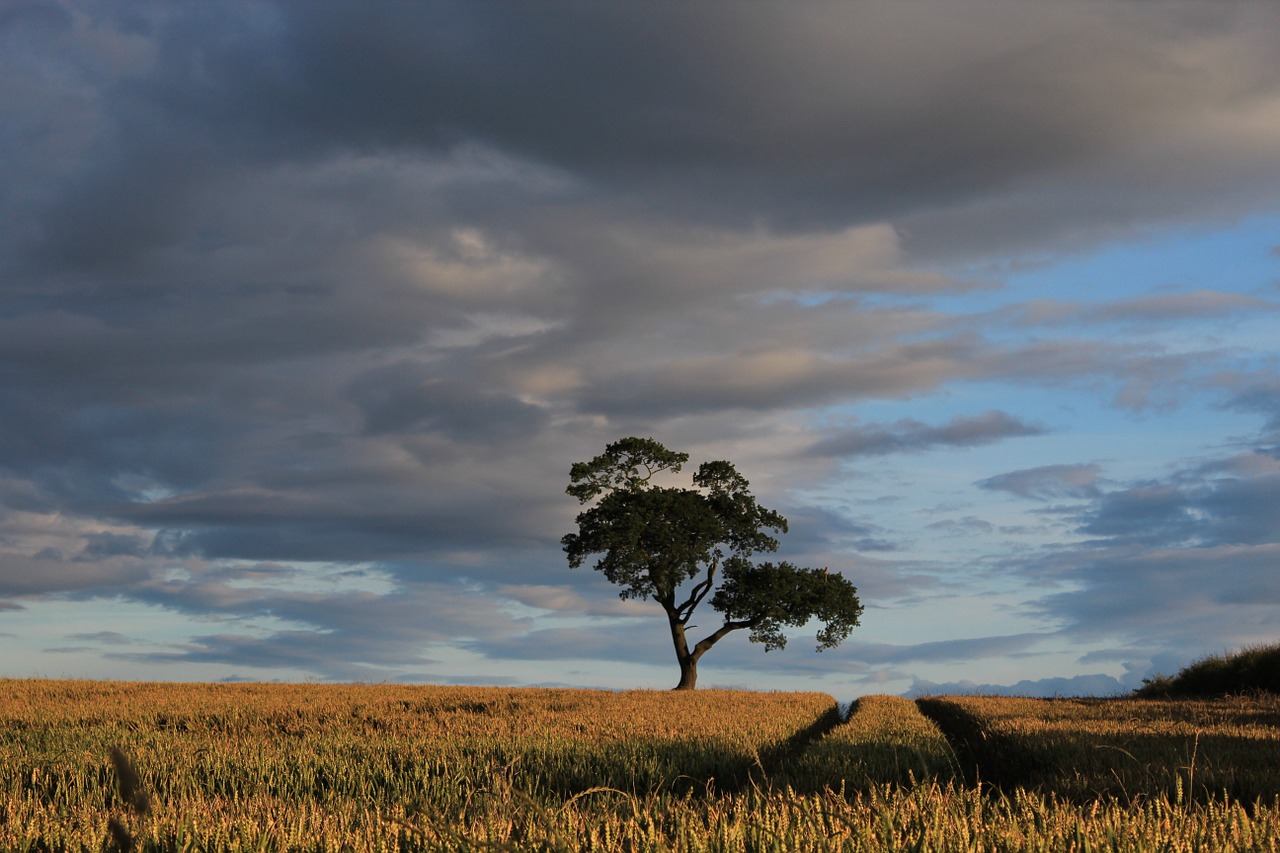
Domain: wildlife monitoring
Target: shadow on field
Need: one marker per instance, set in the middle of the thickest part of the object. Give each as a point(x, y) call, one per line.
point(884, 742)
point(1083, 766)
point(781, 757)
point(983, 755)
point(642, 766)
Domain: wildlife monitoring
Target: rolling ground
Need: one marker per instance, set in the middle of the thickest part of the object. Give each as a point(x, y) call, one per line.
point(105, 765)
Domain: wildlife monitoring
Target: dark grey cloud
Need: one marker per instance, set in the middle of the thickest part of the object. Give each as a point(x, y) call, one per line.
point(590, 600)
point(107, 638)
point(1186, 600)
point(800, 116)
point(299, 621)
point(1198, 305)
point(402, 400)
point(1221, 511)
point(99, 545)
point(1185, 564)
point(332, 285)
point(1258, 392)
point(49, 572)
point(909, 435)
point(637, 644)
point(1048, 482)
point(1243, 511)
point(380, 524)
point(343, 658)
point(770, 379)
point(815, 534)
point(1140, 376)
point(839, 121)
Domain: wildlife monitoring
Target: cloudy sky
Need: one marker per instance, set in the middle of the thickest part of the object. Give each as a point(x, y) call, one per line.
point(307, 308)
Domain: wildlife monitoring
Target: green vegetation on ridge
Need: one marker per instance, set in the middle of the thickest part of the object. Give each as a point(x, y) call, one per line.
point(1255, 669)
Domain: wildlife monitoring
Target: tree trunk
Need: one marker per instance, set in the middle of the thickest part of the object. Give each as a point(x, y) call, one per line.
point(688, 662)
point(688, 673)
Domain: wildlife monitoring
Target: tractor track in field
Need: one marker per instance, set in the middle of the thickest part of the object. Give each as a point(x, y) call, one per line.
point(985, 756)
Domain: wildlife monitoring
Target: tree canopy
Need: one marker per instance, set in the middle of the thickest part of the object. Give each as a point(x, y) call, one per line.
point(677, 545)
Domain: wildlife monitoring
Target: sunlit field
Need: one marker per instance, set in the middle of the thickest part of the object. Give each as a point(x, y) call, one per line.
point(318, 767)
point(1119, 748)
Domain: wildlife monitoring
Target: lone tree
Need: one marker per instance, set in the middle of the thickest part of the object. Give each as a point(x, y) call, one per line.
point(654, 538)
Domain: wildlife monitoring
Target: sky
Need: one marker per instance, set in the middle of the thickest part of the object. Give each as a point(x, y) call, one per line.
point(306, 310)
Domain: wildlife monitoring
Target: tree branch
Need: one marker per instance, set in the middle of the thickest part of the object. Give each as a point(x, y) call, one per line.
point(722, 632)
point(698, 592)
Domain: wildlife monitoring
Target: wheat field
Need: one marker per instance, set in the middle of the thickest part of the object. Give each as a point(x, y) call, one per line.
point(1119, 748)
point(176, 767)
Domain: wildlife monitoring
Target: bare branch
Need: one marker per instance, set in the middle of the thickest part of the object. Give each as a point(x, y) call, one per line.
point(699, 591)
point(720, 633)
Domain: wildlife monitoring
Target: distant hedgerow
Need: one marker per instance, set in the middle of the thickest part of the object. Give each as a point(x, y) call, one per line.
point(1254, 669)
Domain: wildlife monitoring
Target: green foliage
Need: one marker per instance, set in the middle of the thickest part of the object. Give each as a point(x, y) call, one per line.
point(652, 538)
point(1255, 669)
point(618, 468)
point(649, 539)
point(770, 597)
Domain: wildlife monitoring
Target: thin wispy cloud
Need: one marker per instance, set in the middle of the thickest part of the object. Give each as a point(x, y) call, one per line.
point(910, 435)
point(1048, 482)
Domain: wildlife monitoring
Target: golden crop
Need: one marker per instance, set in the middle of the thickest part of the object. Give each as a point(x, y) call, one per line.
point(885, 741)
point(1123, 748)
point(319, 768)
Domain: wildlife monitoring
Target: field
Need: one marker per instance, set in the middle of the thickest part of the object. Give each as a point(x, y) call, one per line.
point(99, 765)
point(1118, 749)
